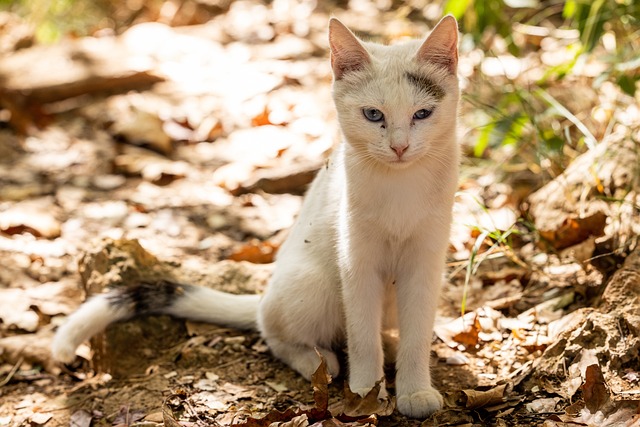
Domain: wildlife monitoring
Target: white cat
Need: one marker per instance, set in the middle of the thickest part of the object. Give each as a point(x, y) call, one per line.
point(367, 252)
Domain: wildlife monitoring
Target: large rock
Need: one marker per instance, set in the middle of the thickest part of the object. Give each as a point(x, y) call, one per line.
point(130, 347)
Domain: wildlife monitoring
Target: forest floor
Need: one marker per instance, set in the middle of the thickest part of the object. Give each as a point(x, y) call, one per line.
point(184, 151)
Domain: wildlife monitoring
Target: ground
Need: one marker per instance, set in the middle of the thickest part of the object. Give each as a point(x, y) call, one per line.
point(184, 150)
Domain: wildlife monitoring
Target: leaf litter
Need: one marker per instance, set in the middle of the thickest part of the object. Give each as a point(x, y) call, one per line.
point(218, 174)
point(352, 410)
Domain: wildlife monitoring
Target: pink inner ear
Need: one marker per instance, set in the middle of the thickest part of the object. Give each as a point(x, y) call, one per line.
point(441, 47)
point(347, 53)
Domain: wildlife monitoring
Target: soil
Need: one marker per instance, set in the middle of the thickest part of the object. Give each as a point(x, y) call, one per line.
point(185, 155)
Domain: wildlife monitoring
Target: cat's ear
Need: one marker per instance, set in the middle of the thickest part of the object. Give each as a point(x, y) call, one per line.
point(347, 53)
point(441, 47)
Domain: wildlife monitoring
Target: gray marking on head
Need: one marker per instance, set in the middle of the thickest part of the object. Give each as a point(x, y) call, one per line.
point(426, 85)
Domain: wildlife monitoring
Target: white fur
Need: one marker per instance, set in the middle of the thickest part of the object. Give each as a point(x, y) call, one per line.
point(368, 249)
point(92, 317)
point(209, 305)
point(374, 227)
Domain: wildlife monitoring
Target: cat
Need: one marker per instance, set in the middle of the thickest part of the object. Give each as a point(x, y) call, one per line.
point(367, 252)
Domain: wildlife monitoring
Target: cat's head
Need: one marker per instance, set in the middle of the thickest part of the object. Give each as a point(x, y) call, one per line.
point(396, 104)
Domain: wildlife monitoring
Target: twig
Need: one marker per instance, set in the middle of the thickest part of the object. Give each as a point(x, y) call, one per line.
point(12, 372)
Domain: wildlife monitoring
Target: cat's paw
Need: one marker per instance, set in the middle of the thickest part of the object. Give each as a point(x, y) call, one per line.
point(420, 404)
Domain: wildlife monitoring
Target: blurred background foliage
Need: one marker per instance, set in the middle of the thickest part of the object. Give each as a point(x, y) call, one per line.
point(607, 39)
point(531, 122)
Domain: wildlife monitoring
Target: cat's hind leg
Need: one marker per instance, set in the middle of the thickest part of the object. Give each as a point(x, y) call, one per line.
point(303, 358)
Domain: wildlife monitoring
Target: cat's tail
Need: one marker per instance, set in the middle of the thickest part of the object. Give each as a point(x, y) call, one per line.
point(184, 301)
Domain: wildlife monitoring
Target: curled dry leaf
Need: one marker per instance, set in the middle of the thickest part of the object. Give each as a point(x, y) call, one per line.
point(474, 399)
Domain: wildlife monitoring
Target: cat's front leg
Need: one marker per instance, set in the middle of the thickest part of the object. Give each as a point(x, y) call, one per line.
point(418, 289)
point(363, 294)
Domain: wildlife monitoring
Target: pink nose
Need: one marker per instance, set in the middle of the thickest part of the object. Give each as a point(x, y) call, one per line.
point(400, 150)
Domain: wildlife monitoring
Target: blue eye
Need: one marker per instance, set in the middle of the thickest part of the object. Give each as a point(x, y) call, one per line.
point(422, 114)
point(372, 114)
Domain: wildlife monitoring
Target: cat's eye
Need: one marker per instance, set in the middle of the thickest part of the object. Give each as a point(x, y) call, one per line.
point(372, 114)
point(421, 114)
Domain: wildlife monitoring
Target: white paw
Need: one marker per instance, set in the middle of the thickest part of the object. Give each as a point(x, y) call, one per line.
point(420, 404)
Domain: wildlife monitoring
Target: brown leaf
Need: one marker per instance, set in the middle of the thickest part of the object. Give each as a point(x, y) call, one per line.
point(469, 338)
point(575, 230)
point(474, 399)
point(274, 416)
point(256, 252)
point(167, 417)
point(261, 119)
point(320, 381)
point(356, 406)
point(23, 219)
point(594, 389)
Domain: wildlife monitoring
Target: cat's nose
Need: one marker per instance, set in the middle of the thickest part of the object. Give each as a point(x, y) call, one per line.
point(400, 149)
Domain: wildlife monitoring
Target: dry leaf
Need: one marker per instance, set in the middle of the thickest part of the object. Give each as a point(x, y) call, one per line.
point(469, 338)
point(82, 418)
point(356, 406)
point(320, 381)
point(574, 230)
point(594, 389)
point(473, 399)
point(256, 252)
point(24, 219)
point(167, 416)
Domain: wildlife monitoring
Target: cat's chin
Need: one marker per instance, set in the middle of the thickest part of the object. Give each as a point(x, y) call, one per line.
point(395, 163)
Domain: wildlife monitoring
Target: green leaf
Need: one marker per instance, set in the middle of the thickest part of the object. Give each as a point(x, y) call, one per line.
point(569, 10)
point(483, 140)
point(628, 84)
point(456, 7)
point(589, 139)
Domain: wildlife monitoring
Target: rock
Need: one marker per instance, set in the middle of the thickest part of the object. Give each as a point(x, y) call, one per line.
point(572, 207)
point(608, 336)
point(130, 347)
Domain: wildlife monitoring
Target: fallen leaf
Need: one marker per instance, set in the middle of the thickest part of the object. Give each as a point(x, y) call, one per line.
point(81, 418)
point(126, 417)
point(474, 399)
point(594, 389)
point(256, 252)
point(19, 220)
point(320, 381)
point(469, 338)
point(167, 416)
point(39, 418)
point(575, 230)
point(356, 406)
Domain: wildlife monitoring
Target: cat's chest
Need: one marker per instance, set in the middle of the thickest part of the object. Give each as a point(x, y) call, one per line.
point(398, 206)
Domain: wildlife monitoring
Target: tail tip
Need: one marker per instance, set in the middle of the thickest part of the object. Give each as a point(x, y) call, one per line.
point(62, 350)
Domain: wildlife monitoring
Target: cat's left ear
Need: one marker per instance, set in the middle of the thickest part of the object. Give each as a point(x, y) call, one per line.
point(441, 47)
point(347, 53)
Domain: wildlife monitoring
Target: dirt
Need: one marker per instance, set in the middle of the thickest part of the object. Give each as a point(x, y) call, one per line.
point(198, 178)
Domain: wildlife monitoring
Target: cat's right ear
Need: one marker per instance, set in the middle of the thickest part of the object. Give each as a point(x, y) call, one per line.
point(347, 53)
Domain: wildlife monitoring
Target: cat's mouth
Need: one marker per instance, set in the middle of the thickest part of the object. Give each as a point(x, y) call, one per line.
point(399, 162)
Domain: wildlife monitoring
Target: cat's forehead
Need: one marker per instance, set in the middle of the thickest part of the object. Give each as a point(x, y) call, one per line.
point(394, 73)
